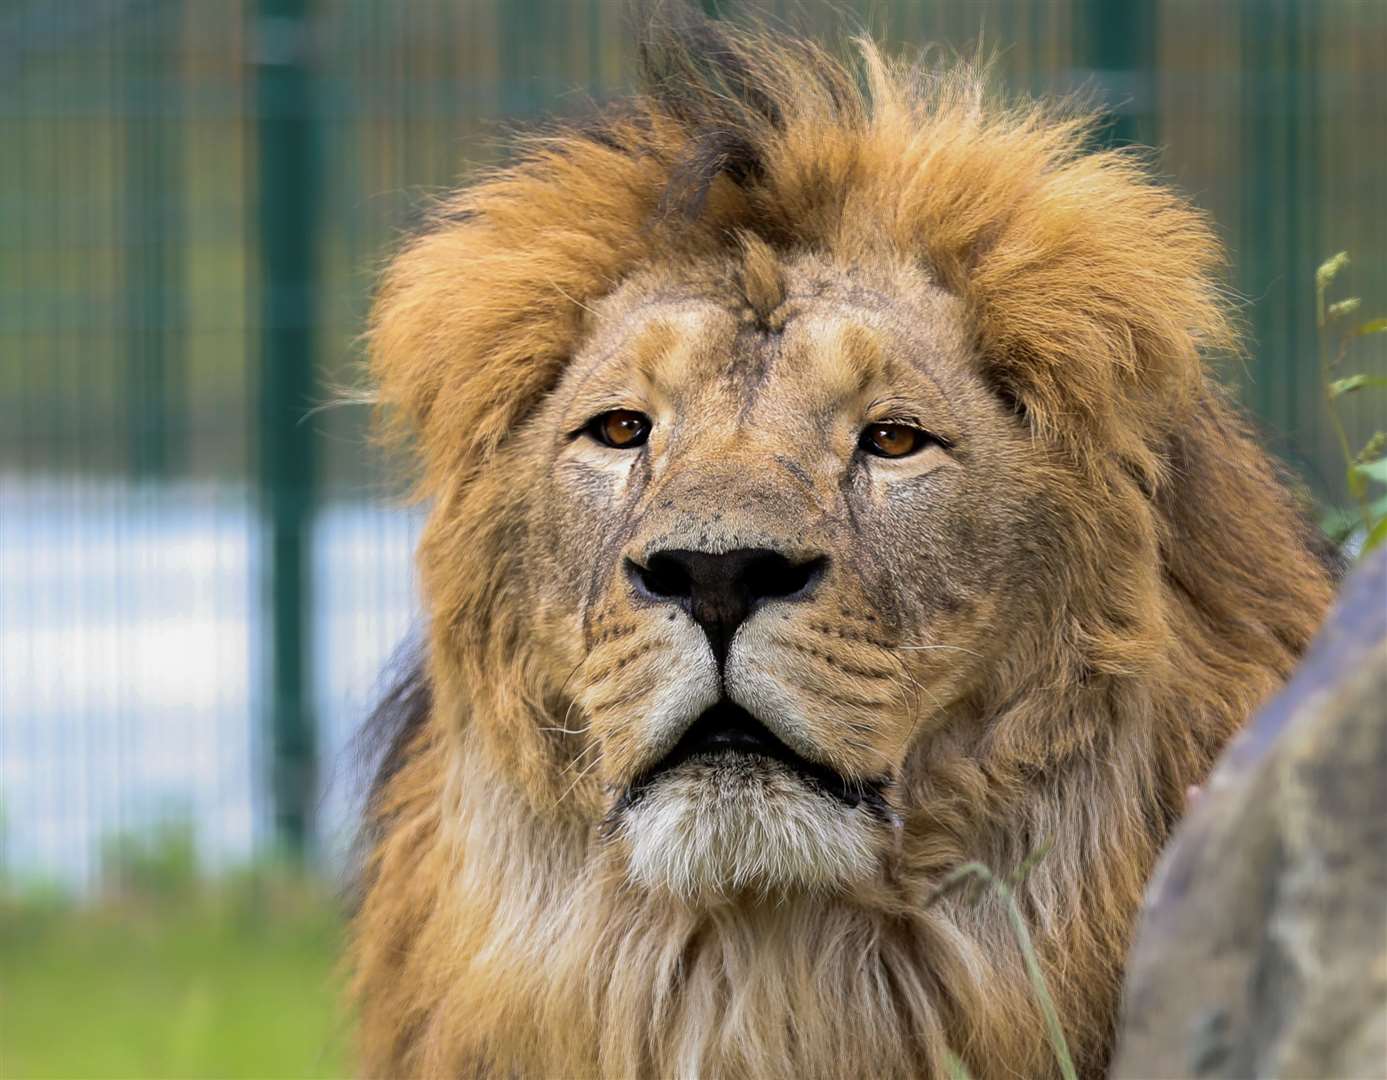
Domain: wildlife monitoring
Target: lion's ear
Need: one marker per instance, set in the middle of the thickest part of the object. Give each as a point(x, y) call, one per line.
point(462, 345)
point(1098, 301)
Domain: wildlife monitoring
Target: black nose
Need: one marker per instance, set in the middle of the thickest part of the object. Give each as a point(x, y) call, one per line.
point(721, 591)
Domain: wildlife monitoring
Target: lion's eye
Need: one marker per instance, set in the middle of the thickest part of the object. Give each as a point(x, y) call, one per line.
point(893, 440)
point(623, 429)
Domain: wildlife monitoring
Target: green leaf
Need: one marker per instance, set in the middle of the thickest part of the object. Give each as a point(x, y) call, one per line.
point(1372, 326)
point(1342, 522)
point(1344, 307)
point(1376, 537)
point(1339, 387)
point(1373, 448)
point(1330, 268)
point(1372, 470)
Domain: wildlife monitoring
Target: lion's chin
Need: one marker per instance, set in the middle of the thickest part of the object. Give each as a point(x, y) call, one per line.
point(733, 824)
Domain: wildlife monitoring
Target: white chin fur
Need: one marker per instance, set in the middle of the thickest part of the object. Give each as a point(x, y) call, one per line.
point(730, 825)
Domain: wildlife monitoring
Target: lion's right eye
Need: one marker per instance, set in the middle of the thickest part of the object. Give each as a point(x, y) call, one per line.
point(623, 429)
point(894, 440)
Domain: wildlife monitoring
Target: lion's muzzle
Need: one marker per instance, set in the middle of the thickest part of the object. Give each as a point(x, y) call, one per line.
point(728, 731)
point(732, 807)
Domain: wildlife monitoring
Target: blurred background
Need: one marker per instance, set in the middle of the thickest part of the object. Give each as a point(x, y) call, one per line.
point(204, 564)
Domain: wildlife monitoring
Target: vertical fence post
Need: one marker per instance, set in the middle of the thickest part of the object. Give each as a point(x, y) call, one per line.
point(1118, 48)
point(522, 22)
point(289, 193)
point(1280, 244)
point(153, 283)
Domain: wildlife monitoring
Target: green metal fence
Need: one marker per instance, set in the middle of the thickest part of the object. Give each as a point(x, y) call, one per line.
point(198, 573)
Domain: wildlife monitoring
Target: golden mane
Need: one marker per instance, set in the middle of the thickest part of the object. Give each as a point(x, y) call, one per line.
point(1093, 301)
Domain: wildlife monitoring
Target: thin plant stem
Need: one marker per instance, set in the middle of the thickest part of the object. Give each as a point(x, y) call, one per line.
point(1327, 386)
point(1059, 1045)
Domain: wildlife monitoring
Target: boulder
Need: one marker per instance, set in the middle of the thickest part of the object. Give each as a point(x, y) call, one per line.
point(1262, 951)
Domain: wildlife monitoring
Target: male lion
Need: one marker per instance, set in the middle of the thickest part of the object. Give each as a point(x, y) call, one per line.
point(827, 491)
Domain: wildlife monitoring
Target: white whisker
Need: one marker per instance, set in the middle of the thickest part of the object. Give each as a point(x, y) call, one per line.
point(951, 648)
point(584, 752)
point(579, 778)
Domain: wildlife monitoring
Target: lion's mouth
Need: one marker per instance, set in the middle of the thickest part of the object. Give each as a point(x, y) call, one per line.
point(727, 729)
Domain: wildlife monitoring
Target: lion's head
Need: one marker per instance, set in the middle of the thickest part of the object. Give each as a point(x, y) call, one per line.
point(827, 491)
point(781, 530)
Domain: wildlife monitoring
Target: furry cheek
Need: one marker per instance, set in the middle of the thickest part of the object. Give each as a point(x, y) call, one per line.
point(642, 691)
point(854, 714)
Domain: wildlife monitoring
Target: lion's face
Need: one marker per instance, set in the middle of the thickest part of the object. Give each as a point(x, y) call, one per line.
point(777, 544)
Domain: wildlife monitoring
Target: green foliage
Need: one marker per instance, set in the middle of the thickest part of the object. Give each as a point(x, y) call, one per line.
point(159, 863)
point(1366, 468)
point(1339, 387)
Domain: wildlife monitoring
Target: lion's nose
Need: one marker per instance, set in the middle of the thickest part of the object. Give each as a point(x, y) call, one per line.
point(720, 591)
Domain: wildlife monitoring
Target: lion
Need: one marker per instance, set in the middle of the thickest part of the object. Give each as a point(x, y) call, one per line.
point(828, 488)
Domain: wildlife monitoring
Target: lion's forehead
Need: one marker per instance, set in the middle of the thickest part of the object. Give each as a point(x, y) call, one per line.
point(827, 341)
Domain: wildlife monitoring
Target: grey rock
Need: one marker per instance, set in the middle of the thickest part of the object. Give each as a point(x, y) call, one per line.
point(1262, 951)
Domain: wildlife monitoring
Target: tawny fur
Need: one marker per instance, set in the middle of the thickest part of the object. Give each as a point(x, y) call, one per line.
point(499, 934)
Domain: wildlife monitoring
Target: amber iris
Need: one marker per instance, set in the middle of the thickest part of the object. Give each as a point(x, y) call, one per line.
point(892, 440)
point(620, 428)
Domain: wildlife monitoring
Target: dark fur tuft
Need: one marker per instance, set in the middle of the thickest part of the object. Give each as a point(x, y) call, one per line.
point(383, 744)
point(382, 748)
point(723, 88)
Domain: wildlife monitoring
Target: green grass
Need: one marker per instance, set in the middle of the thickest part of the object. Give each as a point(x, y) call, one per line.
point(237, 982)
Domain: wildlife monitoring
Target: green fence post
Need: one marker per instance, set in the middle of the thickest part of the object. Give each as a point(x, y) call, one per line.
point(523, 23)
point(1280, 246)
point(289, 193)
point(155, 376)
point(1118, 46)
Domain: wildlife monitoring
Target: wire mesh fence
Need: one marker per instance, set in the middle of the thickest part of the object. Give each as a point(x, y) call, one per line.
point(201, 571)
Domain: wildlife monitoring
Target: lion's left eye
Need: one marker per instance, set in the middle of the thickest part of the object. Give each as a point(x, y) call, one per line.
point(893, 440)
point(623, 429)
